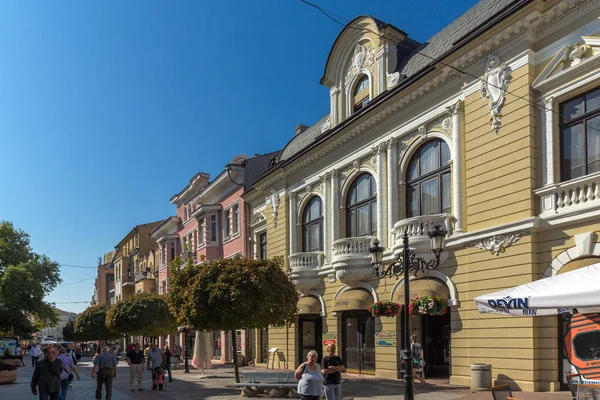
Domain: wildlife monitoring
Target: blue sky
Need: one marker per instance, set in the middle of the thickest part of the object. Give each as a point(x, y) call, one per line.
point(108, 108)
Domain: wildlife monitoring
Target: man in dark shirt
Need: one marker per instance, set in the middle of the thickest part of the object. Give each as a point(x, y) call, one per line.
point(46, 377)
point(135, 359)
point(332, 366)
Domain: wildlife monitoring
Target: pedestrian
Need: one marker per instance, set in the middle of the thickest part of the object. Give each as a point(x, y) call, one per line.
point(135, 359)
point(68, 368)
point(19, 354)
point(156, 358)
point(417, 357)
point(106, 365)
point(46, 377)
point(35, 354)
point(332, 368)
point(78, 353)
point(159, 380)
point(168, 355)
point(177, 355)
point(310, 378)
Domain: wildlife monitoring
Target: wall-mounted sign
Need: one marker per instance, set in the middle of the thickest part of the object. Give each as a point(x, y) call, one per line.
point(327, 342)
point(386, 334)
point(330, 336)
point(385, 343)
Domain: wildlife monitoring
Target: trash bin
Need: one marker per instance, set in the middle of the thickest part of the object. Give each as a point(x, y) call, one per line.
point(481, 377)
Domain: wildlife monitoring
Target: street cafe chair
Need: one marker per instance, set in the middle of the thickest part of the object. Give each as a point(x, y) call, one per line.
point(588, 391)
point(501, 392)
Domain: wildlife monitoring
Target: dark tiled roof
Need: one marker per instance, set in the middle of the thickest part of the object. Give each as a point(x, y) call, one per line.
point(303, 139)
point(443, 41)
point(435, 47)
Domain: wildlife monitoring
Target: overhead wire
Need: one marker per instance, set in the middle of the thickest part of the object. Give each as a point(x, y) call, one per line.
point(76, 266)
point(329, 14)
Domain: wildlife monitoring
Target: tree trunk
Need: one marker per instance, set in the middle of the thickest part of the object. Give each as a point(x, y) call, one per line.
point(235, 359)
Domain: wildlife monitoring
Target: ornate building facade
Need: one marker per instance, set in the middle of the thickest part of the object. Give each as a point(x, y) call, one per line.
point(491, 129)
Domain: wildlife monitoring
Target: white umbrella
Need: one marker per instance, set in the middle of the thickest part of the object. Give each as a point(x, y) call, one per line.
point(558, 294)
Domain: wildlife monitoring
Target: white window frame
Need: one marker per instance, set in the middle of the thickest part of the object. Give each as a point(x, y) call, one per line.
point(229, 214)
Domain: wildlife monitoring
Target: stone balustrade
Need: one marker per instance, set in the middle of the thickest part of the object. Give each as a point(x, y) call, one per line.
point(570, 196)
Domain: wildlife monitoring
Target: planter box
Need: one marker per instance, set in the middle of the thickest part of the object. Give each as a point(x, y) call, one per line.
point(8, 376)
point(14, 362)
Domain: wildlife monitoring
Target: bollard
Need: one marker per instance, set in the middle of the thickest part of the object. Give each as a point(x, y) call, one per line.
point(481, 377)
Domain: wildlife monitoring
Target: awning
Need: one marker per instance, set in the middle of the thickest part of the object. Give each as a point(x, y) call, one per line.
point(355, 299)
point(423, 287)
point(558, 294)
point(309, 305)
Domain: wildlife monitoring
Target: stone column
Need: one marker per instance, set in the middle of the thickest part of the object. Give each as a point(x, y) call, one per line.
point(382, 231)
point(293, 219)
point(457, 167)
point(549, 174)
point(335, 206)
point(392, 188)
point(325, 182)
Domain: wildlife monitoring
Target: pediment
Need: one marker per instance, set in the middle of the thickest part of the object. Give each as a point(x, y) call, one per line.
point(257, 218)
point(568, 58)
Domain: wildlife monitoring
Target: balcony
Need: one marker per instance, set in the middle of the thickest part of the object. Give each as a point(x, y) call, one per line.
point(127, 279)
point(141, 275)
point(571, 196)
point(417, 229)
point(304, 269)
point(351, 260)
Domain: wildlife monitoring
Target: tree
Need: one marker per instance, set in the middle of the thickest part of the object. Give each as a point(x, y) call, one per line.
point(141, 314)
point(91, 324)
point(232, 294)
point(25, 279)
point(68, 332)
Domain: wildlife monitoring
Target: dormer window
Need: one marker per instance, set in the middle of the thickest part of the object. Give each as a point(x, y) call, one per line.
point(362, 93)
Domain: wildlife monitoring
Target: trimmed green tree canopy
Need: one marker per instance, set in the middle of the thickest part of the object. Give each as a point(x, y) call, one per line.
point(91, 324)
point(232, 294)
point(142, 314)
point(25, 278)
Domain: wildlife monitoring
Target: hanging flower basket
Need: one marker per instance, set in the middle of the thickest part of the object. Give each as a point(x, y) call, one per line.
point(385, 309)
point(428, 305)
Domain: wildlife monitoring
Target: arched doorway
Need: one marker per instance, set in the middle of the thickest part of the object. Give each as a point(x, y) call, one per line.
point(309, 328)
point(358, 330)
point(433, 331)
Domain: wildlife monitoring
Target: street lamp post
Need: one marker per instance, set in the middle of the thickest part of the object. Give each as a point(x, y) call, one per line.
point(406, 263)
point(186, 366)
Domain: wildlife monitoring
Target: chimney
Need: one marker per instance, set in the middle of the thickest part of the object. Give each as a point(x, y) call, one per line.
point(301, 128)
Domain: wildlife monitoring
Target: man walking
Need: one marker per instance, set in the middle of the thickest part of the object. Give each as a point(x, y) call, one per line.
point(135, 359)
point(19, 354)
point(156, 357)
point(46, 377)
point(35, 354)
point(106, 365)
point(332, 366)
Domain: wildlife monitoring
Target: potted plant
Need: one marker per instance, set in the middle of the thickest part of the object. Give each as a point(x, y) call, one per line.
point(385, 309)
point(8, 372)
point(8, 358)
point(428, 305)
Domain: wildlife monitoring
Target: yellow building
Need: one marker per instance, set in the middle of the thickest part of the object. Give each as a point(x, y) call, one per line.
point(491, 129)
point(135, 262)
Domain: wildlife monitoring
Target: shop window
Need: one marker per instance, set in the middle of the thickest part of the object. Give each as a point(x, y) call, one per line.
point(361, 204)
point(312, 225)
point(580, 136)
point(428, 189)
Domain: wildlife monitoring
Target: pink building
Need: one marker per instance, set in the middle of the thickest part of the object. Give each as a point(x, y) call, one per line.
point(212, 221)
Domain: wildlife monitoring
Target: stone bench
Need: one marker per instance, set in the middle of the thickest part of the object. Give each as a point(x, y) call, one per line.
point(281, 383)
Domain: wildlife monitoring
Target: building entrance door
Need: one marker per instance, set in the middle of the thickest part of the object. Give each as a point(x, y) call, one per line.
point(310, 329)
point(436, 345)
point(358, 329)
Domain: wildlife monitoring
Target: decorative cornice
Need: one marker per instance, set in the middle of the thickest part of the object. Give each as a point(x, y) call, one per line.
point(498, 243)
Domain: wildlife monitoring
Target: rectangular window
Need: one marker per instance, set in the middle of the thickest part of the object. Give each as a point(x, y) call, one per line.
point(236, 219)
point(580, 136)
point(202, 229)
point(227, 222)
point(172, 251)
point(264, 345)
point(213, 228)
point(262, 251)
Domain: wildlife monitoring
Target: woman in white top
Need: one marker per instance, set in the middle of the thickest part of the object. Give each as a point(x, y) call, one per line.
point(310, 378)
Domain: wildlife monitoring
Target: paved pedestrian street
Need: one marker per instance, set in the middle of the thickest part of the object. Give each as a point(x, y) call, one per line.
point(216, 386)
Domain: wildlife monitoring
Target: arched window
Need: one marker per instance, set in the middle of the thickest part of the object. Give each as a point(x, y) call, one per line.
point(428, 188)
point(362, 93)
point(361, 213)
point(312, 225)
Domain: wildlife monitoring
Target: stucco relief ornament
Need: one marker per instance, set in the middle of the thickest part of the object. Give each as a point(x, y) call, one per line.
point(362, 58)
point(493, 87)
point(498, 243)
point(577, 53)
point(273, 199)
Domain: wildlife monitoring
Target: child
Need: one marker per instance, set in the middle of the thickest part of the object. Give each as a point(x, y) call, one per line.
point(159, 379)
